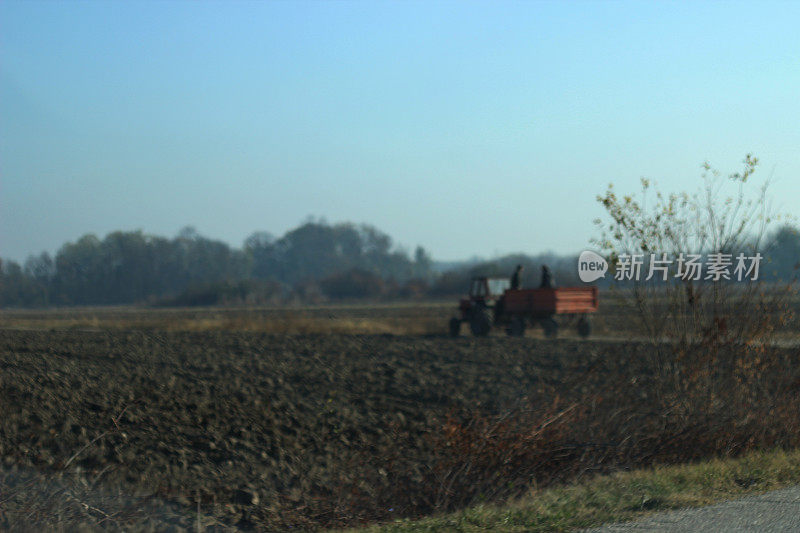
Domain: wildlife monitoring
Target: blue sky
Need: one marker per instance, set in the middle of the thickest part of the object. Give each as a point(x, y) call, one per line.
point(468, 128)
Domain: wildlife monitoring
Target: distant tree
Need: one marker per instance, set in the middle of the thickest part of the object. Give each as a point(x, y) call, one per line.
point(12, 290)
point(782, 254)
point(729, 215)
point(79, 267)
point(259, 239)
point(40, 267)
point(188, 233)
point(130, 266)
point(352, 284)
point(260, 249)
point(39, 271)
point(316, 250)
point(422, 262)
point(413, 288)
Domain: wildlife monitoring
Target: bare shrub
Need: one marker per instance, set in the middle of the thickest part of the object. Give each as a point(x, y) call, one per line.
point(608, 417)
point(729, 215)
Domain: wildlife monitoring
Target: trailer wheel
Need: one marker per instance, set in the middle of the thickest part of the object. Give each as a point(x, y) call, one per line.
point(517, 328)
point(584, 327)
point(455, 327)
point(480, 322)
point(550, 327)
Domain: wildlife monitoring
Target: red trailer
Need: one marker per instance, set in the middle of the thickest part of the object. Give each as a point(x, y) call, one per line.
point(492, 303)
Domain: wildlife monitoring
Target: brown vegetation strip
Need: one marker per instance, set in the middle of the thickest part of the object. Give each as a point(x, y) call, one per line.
point(271, 431)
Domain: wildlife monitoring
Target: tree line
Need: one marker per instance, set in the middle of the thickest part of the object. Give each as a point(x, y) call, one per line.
point(314, 262)
point(133, 267)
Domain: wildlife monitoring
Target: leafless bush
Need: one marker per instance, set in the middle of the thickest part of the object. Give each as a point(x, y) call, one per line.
point(611, 417)
point(727, 219)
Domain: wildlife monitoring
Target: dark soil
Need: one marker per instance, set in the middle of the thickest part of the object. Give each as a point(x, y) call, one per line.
point(258, 429)
point(155, 430)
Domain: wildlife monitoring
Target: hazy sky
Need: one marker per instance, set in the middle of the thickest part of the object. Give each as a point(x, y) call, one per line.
point(468, 128)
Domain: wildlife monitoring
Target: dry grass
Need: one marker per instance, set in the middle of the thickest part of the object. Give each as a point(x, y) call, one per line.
point(620, 497)
point(613, 320)
point(428, 319)
point(399, 318)
point(604, 415)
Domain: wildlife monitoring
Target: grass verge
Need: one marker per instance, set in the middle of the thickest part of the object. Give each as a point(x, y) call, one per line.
point(620, 497)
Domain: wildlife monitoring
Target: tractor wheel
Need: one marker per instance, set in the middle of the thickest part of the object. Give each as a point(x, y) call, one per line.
point(455, 327)
point(481, 322)
point(550, 327)
point(584, 327)
point(517, 328)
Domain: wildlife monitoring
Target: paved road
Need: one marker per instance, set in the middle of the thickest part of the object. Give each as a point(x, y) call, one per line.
point(774, 511)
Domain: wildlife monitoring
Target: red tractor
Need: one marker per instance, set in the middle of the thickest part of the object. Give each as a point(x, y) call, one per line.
point(492, 303)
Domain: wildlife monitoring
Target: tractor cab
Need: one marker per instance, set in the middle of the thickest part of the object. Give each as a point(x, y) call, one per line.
point(488, 289)
point(479, 308)
point(484, 292)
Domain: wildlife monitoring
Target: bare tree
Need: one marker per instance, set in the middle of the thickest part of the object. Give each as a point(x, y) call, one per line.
point(723, 223)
